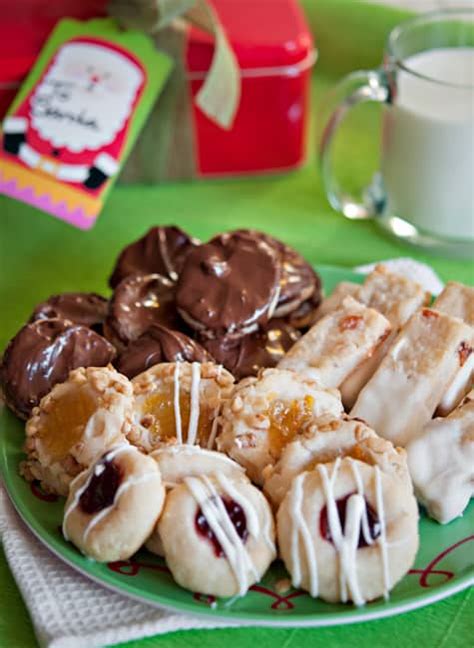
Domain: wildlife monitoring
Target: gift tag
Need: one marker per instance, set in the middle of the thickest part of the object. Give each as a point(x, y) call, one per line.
point(76, 117)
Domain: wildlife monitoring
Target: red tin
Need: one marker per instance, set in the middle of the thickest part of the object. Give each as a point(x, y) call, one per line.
point(275, 52)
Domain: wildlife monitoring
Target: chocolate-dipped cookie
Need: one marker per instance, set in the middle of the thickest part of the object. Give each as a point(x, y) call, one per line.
point(42, 354)
point(265, 348)
point(161, 250)
point(298, 281)
point(138, 302)
point(159, 344)
point(86, 309)
point(303, 317)
point(229, 285)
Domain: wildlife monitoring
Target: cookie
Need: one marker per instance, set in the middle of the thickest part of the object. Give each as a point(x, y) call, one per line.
point(338, 343)
point(298, 280)
point(179, 402)
point(246, 355)
point(159, 344)
point(139, 302)
point(74, 424)
point(418, 368)
point(325, 440)
point(347, 531)
point(441, 462)
point(229, 286)
point(42, 354)
point(177, 462)
point(113, 506)
point(266, 412)
point(217, 534)
point(85, 309)
point(161, 250)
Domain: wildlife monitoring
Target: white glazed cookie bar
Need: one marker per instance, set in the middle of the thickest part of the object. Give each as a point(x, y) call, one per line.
point(441, 462)
point(397, 298)
point(457, 300)
point(338, 343)
point(404, 392)
point(335, 299)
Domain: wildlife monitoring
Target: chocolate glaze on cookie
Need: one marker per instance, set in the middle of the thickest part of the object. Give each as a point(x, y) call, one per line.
point(303, 317)
point(139, 302)
point(161, 250)
point(265, 348)
point(298, 280)
point(229, 286)
point(159, 344)
point(42, 354)
point(86, 309)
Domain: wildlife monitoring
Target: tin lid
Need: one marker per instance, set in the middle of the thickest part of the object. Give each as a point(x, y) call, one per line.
point(263, 34)
point(25, 26)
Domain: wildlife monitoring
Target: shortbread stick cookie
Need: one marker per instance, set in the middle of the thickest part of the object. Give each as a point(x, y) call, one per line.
point(338, 343)
point(404, 392)
point(397, 298)
point(457, 300)
point(441, 463)
point(335, 299)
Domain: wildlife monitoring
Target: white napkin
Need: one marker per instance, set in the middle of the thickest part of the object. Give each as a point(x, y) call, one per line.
point(71, 611)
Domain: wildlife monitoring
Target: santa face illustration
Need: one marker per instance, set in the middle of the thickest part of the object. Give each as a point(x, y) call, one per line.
point(72, 124)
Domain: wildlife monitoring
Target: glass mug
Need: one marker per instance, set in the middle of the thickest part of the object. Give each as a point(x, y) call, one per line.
point(424, 192)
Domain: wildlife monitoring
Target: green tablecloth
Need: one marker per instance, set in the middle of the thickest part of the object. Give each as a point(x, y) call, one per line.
point(40, 255)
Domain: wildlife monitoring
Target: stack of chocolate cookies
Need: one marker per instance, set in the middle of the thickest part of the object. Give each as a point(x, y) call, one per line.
point(241, 299)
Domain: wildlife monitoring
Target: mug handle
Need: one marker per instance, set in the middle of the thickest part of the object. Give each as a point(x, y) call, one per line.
point(356, 88)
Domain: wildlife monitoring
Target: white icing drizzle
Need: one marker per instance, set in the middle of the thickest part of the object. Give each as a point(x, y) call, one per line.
point(213, 509)
point(194, 404)
point(253, 525)
point(382, 539)
point(350, 541)
point(300, 527)
point(124, 486)
point(360, 490)
point(177, 408)
point(345, 542)
point(95, 469)
point(165, 256)
point(274, 303)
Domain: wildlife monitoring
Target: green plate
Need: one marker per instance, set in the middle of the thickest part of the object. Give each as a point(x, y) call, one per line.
point(444, 564)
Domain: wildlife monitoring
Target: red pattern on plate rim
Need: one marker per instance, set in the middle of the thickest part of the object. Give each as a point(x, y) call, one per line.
point(284, 602)
point(429, 571)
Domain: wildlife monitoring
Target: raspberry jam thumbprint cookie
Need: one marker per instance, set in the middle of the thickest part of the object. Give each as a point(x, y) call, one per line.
point(348, 531)
point(217, 534)
point(113, 506)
